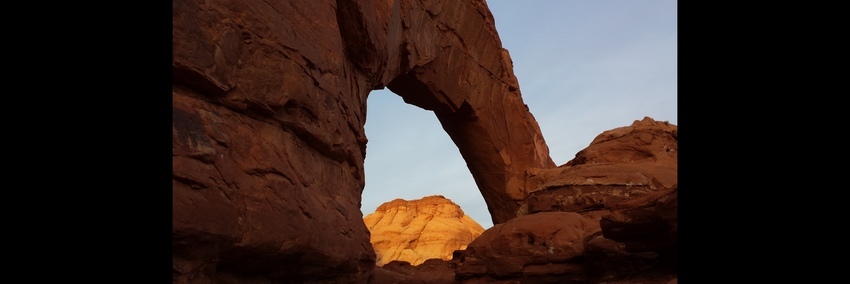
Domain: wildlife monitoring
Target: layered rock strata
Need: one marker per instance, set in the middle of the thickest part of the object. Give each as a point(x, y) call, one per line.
point(269, 105)
point(608, 215)
point(621, 164)
point(417, 230)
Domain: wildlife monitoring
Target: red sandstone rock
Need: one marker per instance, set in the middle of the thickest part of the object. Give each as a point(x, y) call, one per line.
point(544, 247)
point(269, 104)
point(432, 271)
point(417, 230)
point(452, 62)
point(624, 184)
point(621, 164)
point(638, 243)
point(650, 227)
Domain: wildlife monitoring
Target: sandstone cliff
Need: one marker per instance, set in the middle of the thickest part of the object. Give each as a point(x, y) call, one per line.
point(421, 229)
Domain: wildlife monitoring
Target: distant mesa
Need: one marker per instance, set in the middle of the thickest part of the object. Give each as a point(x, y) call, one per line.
point(421, 229)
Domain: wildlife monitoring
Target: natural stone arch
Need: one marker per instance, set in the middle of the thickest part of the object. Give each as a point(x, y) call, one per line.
point(493, 133)
point(269, 103)
point(459, 70)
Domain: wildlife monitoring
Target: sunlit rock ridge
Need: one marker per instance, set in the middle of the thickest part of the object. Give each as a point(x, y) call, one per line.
point(417, 230)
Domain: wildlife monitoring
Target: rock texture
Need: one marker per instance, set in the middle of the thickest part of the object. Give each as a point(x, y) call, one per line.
point(432, 271)
point(608, 215)
point(619, 165)
point(417, 230)
point(545, 247)
point(269, 107)
point(269, 104)
point(639, 243)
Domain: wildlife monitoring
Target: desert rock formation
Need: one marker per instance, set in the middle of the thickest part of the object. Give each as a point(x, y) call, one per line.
point(421, 229)
point(609, 214)
point(543, 247)
point(269, 107)
point(619, 165)
point(595, 219)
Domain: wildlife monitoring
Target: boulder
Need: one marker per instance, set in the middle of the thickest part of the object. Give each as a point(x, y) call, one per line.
point(543, 247)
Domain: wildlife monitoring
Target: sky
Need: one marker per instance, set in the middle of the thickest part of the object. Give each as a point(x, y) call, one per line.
point(583, 66)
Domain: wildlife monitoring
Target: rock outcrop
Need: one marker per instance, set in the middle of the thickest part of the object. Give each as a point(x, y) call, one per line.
point(269, 107)
point(432, 271)
point(417, 230)
point(602, 222)
point(619, 165)
point(608, 215)
point(546, 247)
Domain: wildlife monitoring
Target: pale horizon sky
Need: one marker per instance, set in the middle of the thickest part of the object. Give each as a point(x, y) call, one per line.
point(583, 66)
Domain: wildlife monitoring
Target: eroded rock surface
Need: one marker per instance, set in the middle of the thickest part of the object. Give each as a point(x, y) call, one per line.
point(609, 215)
point(432, 271)
point(446, 56)
point(546, 247)
point(639, 242)
point(621, 164)
point(269, 103)
point(417, 230)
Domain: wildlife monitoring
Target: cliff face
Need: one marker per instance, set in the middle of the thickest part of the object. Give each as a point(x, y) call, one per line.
point(417, 230)
point(269, 106)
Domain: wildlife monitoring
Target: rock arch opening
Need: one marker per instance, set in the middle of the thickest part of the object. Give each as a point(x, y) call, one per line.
point(410, 156)
point(476, 99)
point(268, 126)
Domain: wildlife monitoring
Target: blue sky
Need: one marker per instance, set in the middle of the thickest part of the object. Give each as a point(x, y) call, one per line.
point(583, 66)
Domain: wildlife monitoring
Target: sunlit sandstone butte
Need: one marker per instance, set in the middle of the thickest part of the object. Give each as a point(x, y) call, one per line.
point(417, 230)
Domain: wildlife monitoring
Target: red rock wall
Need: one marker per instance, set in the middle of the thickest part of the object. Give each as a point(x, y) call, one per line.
point(269, 104)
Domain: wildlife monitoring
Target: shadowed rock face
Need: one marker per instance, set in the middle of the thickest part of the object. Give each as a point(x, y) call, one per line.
point(621, 164)
point(608, 215)
point(417, 230)
point(581, 227)
point(533, 247)
point(269, 104)
point(432, 271)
